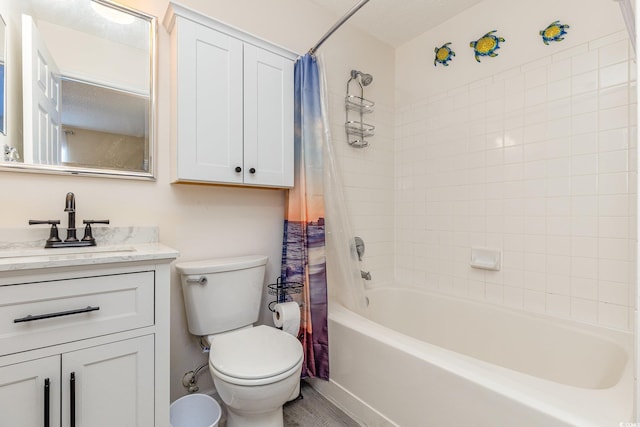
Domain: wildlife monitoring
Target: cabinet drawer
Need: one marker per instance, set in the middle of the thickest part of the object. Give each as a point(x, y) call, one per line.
point(41, 314)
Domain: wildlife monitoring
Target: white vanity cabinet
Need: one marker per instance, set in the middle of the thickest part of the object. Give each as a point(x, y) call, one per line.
point(233, 119)
point(85, 342)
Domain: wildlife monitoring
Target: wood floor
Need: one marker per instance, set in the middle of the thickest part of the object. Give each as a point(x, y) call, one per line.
point(312, 410)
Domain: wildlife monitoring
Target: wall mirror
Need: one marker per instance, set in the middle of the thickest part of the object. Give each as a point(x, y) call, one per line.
point(3, 76)
point(86, 101)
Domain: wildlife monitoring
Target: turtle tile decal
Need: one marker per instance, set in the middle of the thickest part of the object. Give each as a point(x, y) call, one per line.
point(554, 32)
point(444, 54)
point(486, 45)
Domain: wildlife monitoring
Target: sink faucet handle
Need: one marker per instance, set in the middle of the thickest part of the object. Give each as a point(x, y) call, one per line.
point(53, 233)
point(95, 221)
point(88, 235)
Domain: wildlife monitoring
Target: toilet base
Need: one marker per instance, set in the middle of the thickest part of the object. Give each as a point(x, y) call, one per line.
point(264, 419)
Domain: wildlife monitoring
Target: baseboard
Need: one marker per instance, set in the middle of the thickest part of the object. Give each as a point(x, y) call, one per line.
point(361, 412)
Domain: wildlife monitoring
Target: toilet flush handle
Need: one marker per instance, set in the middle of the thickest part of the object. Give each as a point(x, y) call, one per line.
point(202, 280)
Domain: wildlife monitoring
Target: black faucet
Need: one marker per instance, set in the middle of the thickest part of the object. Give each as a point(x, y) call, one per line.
point(71, 240)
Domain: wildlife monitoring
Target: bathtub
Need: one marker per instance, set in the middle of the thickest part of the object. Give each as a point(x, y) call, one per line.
point(420, 360)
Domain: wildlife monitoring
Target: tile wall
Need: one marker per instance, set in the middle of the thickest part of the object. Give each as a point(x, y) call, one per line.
point(539, 161)
point(368, 182)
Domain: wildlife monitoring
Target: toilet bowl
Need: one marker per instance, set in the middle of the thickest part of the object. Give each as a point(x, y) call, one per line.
point(255, 369)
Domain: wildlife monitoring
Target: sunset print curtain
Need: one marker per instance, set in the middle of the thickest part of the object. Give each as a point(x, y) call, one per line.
point(303, 249)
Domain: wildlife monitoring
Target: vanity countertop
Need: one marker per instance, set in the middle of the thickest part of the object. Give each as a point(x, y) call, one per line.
point(30, 259)
point(23, 249)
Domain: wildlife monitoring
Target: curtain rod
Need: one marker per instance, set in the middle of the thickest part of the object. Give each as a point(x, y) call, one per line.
point(337, 25)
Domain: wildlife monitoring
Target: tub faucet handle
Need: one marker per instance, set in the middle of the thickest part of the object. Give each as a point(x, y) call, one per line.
point(359, 247)
point(366, 275)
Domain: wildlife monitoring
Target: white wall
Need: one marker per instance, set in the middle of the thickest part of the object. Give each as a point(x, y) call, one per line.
point(208, 221)
point(532, 152)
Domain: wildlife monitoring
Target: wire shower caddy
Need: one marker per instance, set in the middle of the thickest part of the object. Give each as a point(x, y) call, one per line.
point(356, 108)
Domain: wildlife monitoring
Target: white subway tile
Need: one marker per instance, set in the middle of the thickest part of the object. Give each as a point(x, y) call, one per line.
point(613, 205)
point(618, 249)
point(584, 62)
point(616, 139)
point(584, 123)
point(558, 206)
point(558, 245)
point(559, 89)
point(584, 246)
point(559, 108)
point(584, 83)
point(584, 226)
point(584, 206)
point(535, 78)
point(585, 164)
point(613, 270)
point(614, 52)
point(586, 268)
point(584, 310)
point(535, 96)
point(534, 301)
point(614, 293)
point(613, 315)
point(613, 183)
point(608, 40)
point(584, 185)
point(614, 75)
point(584, 103)
point(513, 296)
point(558, 305)
point(614, 96)
point(558, 226)
point(583, 144)
point(613, 161)
point(612, 118)
point(584, 287)
point(559, 70)
point(559, 284)
point(614, 227)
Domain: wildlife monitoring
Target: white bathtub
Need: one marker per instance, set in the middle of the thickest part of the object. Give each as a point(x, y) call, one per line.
point(422, 360)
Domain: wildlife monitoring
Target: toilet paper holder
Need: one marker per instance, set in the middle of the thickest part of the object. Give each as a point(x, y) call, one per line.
point(281, 290)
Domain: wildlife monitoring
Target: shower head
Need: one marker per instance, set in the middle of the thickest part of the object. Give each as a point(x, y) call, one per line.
point(365, 79)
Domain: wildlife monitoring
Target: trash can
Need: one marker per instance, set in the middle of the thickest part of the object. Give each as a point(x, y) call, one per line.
point(194, 410)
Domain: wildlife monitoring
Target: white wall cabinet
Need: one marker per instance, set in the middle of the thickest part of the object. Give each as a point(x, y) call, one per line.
point(86, 346)
point(233, 119)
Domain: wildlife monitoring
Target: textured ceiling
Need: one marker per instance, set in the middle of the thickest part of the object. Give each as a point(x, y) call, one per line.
point(80, 16)
point(397, 21)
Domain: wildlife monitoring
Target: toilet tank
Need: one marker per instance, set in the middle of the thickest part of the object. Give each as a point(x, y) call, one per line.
point(222, 294)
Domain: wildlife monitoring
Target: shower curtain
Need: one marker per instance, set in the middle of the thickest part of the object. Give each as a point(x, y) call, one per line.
point(303, 248)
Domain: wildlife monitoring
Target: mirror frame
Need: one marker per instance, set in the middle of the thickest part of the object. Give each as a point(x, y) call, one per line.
point(111, 173)
point(3, 130)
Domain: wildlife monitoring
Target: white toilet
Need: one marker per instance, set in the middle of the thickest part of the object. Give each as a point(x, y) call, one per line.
point(255, 369)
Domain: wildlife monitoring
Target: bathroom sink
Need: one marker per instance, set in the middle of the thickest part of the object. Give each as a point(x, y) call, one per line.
point(38, 252)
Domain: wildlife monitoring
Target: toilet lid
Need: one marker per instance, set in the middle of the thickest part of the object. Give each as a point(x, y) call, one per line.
point(254, 353)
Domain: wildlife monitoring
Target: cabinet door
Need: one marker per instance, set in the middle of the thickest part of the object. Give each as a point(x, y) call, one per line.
point(209, 105)
point(113, 385)
point(24, 390)
point(268, 122)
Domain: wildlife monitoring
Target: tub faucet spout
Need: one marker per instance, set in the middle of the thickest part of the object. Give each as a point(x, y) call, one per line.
point(366, 275)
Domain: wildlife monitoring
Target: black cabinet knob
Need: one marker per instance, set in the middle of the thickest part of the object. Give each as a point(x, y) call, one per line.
point(238, 169)
point(252, 170)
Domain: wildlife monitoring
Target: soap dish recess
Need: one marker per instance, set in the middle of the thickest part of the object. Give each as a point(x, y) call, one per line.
point(486, 258)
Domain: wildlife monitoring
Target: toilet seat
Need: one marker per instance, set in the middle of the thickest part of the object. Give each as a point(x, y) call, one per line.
point(255, 356)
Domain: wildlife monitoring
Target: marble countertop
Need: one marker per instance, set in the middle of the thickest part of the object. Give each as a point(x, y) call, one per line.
point(19, 251)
